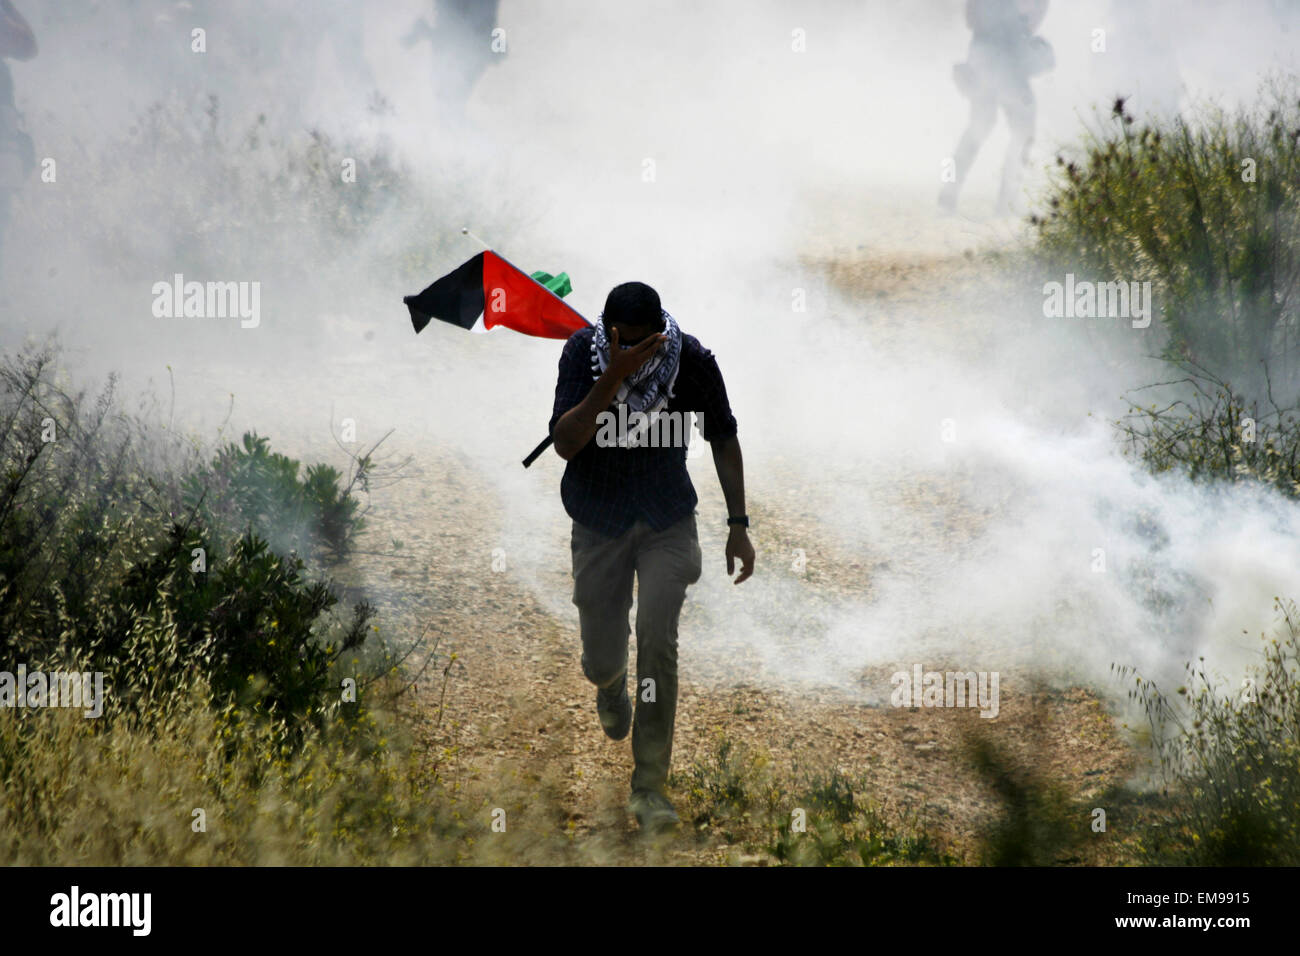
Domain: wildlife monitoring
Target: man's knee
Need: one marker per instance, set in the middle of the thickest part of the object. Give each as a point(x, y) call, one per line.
point(604, 671)
point(656, 655)
point(658, 612)
point(604, 645)
point(603, 663)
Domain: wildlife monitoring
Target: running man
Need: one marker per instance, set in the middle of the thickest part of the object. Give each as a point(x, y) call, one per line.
point(633, 510)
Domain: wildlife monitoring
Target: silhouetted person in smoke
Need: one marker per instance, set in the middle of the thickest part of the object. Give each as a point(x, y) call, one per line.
point(462, 49)
point(1004, 54)
point(17, 155)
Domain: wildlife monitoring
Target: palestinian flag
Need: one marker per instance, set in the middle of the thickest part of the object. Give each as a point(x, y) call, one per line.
point(488, 291)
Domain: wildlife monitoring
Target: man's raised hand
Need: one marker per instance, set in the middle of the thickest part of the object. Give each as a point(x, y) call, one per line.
point(623, 363)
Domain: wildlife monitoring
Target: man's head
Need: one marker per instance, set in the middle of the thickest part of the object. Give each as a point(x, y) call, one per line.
point(633, 308)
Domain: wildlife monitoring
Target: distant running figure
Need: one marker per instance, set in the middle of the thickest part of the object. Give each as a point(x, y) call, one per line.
point(17, 155)
point(1004, 54)
point(462, 49)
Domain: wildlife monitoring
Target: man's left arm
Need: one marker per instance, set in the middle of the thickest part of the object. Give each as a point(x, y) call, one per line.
point(718, 428)
point(731, 475)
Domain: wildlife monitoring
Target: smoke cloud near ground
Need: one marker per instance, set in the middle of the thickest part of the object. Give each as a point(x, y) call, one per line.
point(942, 458)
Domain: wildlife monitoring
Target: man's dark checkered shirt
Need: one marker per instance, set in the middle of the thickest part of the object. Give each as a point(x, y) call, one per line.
point(608, 489)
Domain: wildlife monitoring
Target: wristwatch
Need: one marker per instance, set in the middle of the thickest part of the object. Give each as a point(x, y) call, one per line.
point(739, 519)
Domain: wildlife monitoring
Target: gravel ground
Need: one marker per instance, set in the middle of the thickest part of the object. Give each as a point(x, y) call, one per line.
point(519, 714)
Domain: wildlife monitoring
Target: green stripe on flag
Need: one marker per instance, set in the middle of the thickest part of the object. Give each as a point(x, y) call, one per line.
point(560, 284)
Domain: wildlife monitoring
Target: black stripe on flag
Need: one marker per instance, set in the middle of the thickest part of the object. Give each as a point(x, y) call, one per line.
point(456, 298)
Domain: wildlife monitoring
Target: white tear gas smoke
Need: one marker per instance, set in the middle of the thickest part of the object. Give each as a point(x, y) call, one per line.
point(701, 150)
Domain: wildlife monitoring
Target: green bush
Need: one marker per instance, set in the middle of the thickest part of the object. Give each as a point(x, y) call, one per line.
point(1175, 204)
point(77, 506)
point(252, 488)
point(1230, 760)
point(250, 622)
point(106, 565)
point(222, 667)
point(1214, 434)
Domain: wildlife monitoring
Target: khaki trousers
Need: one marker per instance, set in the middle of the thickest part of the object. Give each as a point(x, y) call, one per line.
point(664, 563)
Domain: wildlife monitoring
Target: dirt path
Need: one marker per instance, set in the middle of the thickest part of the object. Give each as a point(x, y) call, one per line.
point(519, 727)
point(519, 713)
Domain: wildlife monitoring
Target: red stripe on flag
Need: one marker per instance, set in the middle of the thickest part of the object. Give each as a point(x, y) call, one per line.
point(517, 301)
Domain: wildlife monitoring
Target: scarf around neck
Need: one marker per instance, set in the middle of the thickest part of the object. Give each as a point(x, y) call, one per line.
point(649, 387)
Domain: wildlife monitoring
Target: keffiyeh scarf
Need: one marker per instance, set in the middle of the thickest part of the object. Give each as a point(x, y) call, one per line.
point(649, 387)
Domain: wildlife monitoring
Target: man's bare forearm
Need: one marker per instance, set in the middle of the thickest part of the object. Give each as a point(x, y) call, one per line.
point(576, 426)
point(731, 473)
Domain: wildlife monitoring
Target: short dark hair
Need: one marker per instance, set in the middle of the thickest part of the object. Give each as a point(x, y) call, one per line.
point(633, 303)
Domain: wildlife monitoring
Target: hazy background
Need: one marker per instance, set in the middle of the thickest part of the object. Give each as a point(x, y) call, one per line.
point(768, 163)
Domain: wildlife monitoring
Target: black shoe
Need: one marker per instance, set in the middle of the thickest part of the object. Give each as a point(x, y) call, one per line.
point(654, 814)
point(615, 709)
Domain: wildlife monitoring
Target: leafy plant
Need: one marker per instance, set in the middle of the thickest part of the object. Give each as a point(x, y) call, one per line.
point(1230, 759)
point(137, 561)
point(1209, 213)
point(250, 486)
point(1214, 434)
